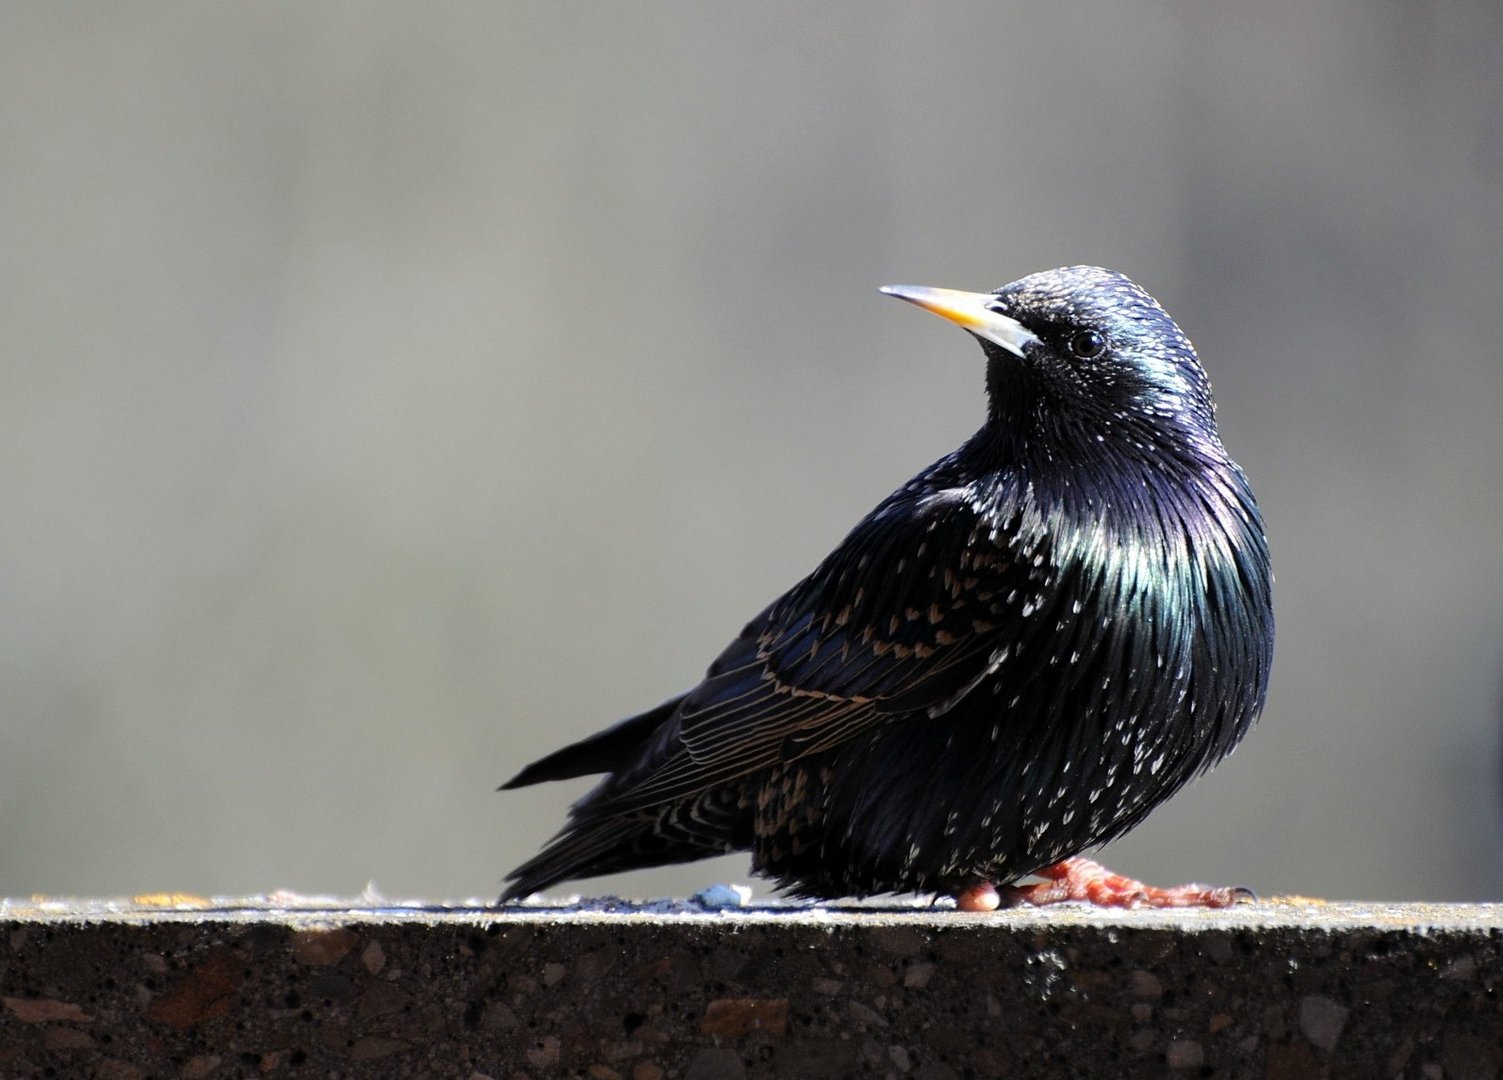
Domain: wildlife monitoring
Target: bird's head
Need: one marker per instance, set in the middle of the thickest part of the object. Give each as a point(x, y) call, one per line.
point(1082, 353)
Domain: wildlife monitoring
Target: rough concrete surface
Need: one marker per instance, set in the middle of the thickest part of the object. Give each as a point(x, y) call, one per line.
point(174, 987)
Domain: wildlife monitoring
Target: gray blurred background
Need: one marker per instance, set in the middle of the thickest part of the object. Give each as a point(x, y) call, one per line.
point(391, 393)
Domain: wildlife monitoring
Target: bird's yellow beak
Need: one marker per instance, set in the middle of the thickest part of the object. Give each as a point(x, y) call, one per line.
point(969, 310)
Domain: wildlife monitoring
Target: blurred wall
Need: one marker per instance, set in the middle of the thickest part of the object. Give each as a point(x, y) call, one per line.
point(389, 393)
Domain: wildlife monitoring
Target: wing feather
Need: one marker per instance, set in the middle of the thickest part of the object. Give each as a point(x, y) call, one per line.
point(902, 617)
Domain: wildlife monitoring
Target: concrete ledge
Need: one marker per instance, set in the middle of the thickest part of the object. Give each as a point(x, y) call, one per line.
point(1274, 989)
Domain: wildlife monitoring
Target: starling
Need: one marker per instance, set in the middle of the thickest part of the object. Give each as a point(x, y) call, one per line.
point(1013, 659)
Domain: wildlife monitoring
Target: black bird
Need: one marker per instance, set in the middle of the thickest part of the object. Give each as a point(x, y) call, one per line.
point(1014, 658)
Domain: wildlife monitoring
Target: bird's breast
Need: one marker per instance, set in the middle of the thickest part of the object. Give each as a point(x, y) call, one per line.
point(1136, 655)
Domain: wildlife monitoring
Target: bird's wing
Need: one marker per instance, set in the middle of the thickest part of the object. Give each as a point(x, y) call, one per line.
point(905, 616)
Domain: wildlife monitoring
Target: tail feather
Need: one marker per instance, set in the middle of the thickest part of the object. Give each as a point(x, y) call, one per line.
point(709, 825)
point(613, 748)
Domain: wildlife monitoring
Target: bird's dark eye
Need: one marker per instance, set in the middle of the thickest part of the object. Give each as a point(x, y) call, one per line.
point(1087, 344)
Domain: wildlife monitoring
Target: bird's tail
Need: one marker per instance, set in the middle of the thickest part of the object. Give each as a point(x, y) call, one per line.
point(615, 747)
point(711, 823)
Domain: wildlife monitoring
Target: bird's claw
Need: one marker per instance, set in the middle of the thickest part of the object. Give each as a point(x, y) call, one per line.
point(1089, 882)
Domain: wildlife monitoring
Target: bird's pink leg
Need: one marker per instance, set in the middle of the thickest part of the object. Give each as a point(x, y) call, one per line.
point(1083, 879)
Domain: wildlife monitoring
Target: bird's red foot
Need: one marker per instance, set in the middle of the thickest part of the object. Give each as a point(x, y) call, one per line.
point(981, 897)
point(1084, 879)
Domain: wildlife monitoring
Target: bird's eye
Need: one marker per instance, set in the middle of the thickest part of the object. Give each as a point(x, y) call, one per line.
point(1087, 344)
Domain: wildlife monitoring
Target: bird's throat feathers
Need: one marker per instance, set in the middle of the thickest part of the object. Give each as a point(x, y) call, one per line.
point(1181, 559)
point(1131, 525)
